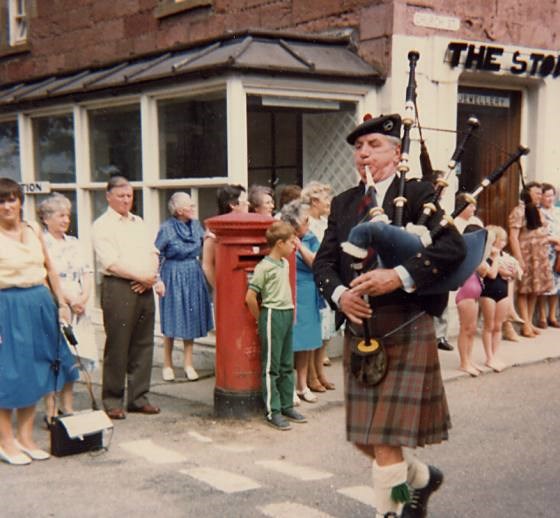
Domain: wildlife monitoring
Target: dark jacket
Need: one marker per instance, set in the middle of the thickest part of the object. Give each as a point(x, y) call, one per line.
point(332, 267)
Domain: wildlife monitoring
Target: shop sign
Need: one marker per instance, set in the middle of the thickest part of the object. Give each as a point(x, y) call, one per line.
point(36, 187)
point(491, 59)
point(493, 101)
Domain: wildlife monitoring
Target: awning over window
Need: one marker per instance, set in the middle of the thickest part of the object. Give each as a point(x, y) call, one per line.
point(253, 51)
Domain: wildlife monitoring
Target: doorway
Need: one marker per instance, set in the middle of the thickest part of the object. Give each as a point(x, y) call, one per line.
point(499, 114)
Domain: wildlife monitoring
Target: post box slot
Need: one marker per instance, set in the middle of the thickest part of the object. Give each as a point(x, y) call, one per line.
point(248, 261)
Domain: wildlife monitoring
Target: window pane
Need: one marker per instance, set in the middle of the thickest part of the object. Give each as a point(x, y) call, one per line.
point(193, 137)
point(259, 131)
point(71, 195)
point(9, 151)
point(287, 134)
point(115, 143)
point(99, 203)
point(54, 148)
point(207, 203)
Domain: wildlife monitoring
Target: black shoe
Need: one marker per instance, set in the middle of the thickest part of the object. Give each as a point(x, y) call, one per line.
point(417, 506)
point(444, 345)
point(279, 422)
point(294, 415)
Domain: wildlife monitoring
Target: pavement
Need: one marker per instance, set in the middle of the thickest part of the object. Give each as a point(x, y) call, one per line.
point(198, 397)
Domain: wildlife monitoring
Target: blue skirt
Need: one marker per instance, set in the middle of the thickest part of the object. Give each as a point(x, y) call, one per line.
point(30, 342)
point(185, 310)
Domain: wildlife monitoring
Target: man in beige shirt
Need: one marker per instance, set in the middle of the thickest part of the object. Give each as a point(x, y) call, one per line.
point(127, 258)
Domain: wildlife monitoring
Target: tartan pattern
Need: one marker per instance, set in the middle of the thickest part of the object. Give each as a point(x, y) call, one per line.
point(409, 407)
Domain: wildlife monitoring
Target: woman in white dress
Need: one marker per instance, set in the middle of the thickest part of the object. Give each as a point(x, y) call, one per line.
point(76, 281)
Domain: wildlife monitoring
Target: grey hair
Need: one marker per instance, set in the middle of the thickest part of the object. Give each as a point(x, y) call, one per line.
point(56, 202)
point(294, 212)
point(177, 201)
point(117, 181)
point(256, 195)
point(313, 190)
point(395, 141)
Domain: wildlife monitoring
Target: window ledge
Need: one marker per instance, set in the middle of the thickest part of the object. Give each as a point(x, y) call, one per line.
point(7, 51)
point(166, 9)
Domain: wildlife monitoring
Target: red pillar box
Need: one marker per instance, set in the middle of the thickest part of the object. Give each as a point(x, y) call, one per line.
point(240, 245)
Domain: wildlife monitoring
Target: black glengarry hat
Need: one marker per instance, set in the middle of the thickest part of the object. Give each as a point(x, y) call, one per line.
point(389, 125)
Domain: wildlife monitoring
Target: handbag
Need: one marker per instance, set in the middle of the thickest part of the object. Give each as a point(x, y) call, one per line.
point(368, 357)
point(80, 432)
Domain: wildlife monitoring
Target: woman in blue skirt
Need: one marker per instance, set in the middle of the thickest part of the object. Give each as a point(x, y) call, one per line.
point(31, 343)
point(185, 309)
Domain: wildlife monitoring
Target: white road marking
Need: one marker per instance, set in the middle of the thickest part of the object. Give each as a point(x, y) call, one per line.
point(199, 437)
point(222, 480)
point(293, 470)
point(291, 509)
point(363, 494)
point(150, 451)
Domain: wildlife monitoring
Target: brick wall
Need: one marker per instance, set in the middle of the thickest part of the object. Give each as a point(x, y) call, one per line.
point(71, 34)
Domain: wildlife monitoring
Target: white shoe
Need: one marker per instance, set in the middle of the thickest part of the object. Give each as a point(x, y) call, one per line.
point(190, 373)
point(167, 374)
point(297, 400)
point(34, 454)
point(20, 459)
point(307, 395)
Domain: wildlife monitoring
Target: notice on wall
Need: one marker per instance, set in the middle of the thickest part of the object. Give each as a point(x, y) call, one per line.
point(436, 21)
point(36, 187)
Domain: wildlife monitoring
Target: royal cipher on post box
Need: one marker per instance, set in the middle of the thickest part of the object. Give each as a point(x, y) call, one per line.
point(240, 245)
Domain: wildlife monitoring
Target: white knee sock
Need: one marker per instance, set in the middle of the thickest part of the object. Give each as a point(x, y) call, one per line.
point(418, 475)
point(384, 479)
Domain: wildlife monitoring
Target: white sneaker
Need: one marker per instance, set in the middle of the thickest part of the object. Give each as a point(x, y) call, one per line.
point(190, 373)
point(167, 374)
point(297, 400)
point(307, 395)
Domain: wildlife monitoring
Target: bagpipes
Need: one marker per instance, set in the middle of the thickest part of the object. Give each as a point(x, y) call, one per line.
point(394, 244)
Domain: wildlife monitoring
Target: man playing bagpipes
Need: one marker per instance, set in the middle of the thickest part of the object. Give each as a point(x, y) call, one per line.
point(397, 403)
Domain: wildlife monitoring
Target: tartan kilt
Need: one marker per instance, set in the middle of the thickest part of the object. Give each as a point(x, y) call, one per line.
point(409, 407)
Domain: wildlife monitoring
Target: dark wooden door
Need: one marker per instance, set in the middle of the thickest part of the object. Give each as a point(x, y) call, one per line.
point(499, 113)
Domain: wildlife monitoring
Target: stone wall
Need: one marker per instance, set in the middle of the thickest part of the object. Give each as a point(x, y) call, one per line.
point(65, 35)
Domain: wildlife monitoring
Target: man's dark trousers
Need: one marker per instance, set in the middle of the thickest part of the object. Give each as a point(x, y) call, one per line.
point(128, 319)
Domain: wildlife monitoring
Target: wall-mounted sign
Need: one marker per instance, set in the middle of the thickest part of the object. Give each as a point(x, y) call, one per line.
point(493, 101)
point(36, 187)
point(436, 21)
point(492, 59)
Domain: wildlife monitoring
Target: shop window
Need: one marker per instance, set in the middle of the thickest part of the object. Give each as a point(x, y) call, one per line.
point(115, 143)
point(193, 137)
point(54, 148)
point(9, 151)
point(293, 141)
point(274, 140)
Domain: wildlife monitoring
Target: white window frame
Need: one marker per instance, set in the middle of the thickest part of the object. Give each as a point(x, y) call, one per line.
point(18, 22)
